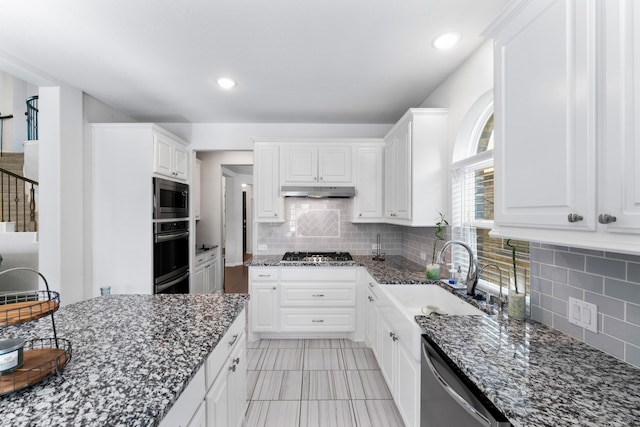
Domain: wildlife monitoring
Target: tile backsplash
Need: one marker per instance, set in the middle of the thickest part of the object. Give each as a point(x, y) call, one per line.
point(325, 225)
point(609, 280)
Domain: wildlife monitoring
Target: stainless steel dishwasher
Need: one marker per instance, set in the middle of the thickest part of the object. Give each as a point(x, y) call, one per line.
point(447, 396)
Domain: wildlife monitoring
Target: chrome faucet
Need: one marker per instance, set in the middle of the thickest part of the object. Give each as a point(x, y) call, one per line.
point(472, 272)
point(500, 300)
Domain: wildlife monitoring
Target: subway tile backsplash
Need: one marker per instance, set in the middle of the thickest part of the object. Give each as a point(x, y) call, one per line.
point(609, 280)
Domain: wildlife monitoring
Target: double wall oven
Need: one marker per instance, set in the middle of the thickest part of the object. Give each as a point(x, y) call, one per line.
point(170, 237)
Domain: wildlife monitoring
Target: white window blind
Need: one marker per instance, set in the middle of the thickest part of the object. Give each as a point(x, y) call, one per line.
point(472, 215)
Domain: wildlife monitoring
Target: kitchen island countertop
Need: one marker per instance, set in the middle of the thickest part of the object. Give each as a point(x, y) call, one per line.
point(132, 356)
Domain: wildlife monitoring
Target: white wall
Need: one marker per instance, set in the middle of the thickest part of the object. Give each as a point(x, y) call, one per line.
point(209, 228)
point(237, 136)
point(61, 190)
point(94, 111)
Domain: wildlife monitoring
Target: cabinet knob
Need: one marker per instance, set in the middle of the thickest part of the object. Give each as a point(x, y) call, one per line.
point(274, 288)
point(606, 219)
point(321, 178)
point(275, 214)
point(359, 214)
point(573, 217)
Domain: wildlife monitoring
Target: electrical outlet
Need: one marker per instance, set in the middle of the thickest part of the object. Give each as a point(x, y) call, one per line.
point(262, 247)
point(423, 256)
point(583, 314)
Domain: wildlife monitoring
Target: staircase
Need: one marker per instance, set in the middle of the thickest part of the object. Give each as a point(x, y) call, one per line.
point(17, 203)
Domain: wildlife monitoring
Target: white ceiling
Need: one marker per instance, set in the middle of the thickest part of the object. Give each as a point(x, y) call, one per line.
point(295, 61)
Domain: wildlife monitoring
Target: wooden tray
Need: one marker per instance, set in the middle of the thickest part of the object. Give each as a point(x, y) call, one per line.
point(39, 363)
point(23, 307)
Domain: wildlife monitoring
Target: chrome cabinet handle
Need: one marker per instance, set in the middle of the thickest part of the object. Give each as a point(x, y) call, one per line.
point(317, 295)
point(606, 219)
point(370, 298)
point(317, 321)
point(371, 285)
point(393, 336)
point(454, 394)
point(573, 217)
point(264, 275)
point(232, 368)
point(236, 361)
point(233, 341)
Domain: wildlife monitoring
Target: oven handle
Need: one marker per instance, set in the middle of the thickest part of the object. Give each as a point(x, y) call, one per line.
point(160, 288)
point(454, 394)
point(172, 236)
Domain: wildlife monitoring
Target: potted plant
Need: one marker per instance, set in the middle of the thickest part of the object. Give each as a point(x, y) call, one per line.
point(433, 269)
point(517, 297)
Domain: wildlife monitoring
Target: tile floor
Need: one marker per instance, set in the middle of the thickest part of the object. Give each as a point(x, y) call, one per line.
point(316, 383)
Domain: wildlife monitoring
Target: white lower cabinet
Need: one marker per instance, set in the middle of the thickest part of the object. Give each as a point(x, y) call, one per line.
point(263, 287)
point(304, 302)
point(226, 399)
point(200, 417)
point(399, 367)
point(216, 395)
point(371, 326)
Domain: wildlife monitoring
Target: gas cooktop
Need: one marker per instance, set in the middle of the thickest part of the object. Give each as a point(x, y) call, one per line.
point(316, 257)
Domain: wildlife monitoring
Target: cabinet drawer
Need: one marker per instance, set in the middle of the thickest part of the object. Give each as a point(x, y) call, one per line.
point(201, 258)
point(263, 274)
point(343, 294)
point(328, 320)
point(319, 274)
point(220, 353)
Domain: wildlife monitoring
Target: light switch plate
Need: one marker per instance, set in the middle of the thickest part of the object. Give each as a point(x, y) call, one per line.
point(583, 314)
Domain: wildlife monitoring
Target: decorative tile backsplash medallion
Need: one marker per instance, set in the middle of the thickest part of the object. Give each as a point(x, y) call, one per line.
point(318, 223)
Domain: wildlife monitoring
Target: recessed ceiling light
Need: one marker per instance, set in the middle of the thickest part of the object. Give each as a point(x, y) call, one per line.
point(446, 40)
point(226, 83)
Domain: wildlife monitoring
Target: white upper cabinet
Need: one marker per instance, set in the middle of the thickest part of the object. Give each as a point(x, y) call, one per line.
point(170, 157)
point(566, 150)
point(269, 205)
point(619, 156)
point(368, 202)
point(416, 166)
point(311, 164)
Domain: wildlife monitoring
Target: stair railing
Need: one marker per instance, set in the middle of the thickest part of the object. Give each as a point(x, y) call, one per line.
point(19, 183)
point(32, 118)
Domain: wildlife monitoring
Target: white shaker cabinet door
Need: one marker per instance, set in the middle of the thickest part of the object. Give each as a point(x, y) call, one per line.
point(545, 117)
point(619, 193)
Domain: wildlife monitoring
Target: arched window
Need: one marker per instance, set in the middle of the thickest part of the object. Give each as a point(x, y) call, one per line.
point(473, 200)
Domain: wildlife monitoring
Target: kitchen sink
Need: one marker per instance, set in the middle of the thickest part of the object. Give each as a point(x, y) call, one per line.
point(401, 303)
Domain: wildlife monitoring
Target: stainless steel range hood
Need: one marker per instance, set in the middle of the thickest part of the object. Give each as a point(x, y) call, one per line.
point(317, 192)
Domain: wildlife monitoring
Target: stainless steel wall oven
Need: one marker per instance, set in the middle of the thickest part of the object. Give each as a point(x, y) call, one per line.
point(171, 257)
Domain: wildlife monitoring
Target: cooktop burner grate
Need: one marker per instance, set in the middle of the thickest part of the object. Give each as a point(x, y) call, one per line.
point(316, 257)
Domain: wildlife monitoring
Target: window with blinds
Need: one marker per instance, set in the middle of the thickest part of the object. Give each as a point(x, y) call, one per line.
point(472, 215)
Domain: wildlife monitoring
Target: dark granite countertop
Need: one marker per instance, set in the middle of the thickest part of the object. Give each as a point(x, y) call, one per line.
point(538, 376)
point(132, 356)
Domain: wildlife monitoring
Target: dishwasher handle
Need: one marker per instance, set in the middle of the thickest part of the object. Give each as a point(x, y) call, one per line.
point(454, 394)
